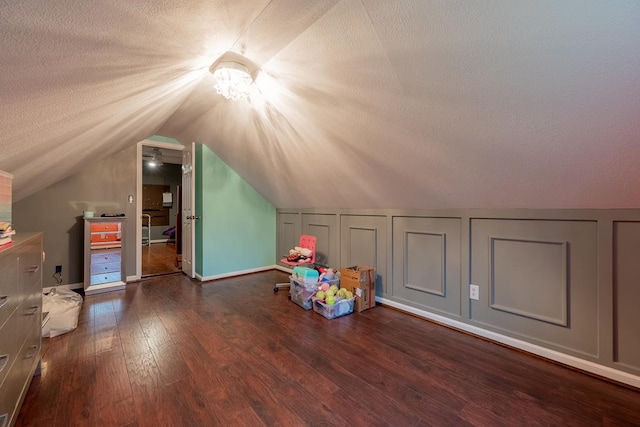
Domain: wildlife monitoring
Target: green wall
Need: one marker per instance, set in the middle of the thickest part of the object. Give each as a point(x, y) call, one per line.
point(236, 233)
point(160, 138)
point(199, 210)
point(237, 229)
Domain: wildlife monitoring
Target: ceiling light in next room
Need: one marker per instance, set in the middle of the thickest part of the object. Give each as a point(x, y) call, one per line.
point(235, 76)
point(156, 158)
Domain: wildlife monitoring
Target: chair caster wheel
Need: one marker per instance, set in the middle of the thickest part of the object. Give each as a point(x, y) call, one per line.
point(275, 290)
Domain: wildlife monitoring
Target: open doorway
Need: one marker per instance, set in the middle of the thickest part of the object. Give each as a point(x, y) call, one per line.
point(160, 206)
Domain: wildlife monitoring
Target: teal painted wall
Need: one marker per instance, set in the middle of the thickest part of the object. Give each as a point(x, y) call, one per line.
point(198, 195)
point(160, 138)
point(237, 229)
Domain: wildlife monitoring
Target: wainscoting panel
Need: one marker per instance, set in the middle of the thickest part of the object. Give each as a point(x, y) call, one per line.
point(326, 230)
point(538, 280)
point(560, 283)
point(529, 278)
point(289, 230)
point(626, 298)
point(426, 263)
point(363, 241)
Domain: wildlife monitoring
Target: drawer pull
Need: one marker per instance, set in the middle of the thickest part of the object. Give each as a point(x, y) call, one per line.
point(3, 300)
point(3, 361)
point(33, 351)
point(31, 310)
point(34, 269)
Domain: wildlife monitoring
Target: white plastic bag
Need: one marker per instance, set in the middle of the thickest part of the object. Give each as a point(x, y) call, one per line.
point(64, 309)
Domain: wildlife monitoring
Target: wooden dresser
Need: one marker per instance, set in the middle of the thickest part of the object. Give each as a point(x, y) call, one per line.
point(20, 320)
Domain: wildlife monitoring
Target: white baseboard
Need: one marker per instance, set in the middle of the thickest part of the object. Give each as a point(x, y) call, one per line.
point(67, 287)
point(281, 268)
point(235, 273)
point(584, 365)
point(160, 241)
point(81, 285)
point(105, 287)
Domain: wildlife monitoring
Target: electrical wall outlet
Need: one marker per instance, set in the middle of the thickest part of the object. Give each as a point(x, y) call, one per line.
point(58, 269)
point(474, 292)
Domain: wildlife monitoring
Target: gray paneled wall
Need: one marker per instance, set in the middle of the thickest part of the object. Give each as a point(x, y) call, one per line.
point(363, 241)
point(426, 263)
point(565, 280)
point(626, 300)
point(102, 187)
point(538, 279)
point(289, 231)
point(325, 228)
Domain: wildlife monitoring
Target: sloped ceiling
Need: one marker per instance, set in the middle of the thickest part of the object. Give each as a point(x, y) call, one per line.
point(361, 103)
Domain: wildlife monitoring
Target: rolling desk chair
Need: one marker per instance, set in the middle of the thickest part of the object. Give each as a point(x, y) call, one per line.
point(306, 242)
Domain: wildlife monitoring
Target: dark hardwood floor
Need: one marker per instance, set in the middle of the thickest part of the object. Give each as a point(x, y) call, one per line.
point(158, 259)
point(174, 352)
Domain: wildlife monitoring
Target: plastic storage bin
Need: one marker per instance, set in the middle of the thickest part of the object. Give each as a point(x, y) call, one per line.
point(302, 300)
point(301, 292)
point(340, 308)
point(306, 274)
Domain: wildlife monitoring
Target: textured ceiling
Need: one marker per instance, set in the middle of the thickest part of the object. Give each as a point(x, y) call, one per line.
point(362, 103)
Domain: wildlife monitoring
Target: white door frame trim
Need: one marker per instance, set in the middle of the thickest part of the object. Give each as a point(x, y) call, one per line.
point(138, 200)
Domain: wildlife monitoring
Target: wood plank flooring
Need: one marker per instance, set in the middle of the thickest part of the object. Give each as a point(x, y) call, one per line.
point(174, 352)
point(159, 258)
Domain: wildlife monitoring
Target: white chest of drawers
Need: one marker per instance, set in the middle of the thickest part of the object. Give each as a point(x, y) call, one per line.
point(20, 320)
point(104, 254)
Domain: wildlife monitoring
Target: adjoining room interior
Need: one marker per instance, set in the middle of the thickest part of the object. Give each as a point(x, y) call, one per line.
point(469, 170)
point(161, 225)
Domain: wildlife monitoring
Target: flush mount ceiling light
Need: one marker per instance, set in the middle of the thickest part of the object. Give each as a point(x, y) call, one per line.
point(156, 158)
point(235, 76)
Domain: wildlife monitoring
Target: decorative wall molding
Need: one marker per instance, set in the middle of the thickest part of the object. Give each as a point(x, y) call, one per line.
point(559, 283)
point(358, 234)
point(426, 256)
point(436, 281)
point(538, 282)
point(534, 306)
point(325, 228)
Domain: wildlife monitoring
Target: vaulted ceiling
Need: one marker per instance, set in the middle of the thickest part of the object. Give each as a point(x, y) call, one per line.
point(362, 103)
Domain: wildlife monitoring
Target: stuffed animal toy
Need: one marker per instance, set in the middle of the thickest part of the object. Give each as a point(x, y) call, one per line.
point(299, 254)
